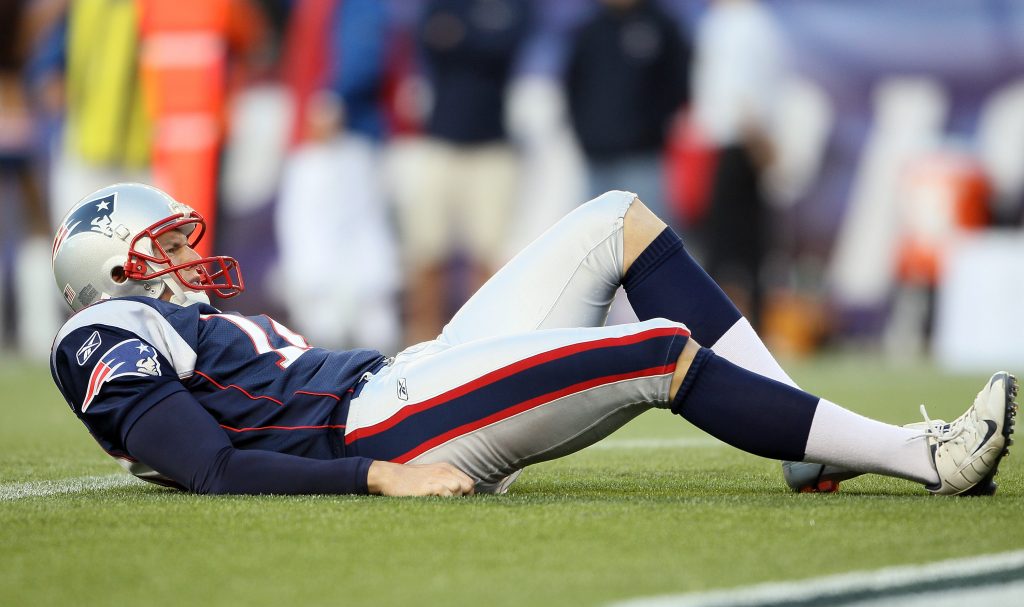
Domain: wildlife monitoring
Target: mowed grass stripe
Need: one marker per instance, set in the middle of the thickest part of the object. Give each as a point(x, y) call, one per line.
point(990, 575)
point(16, 491)
point(657, 443)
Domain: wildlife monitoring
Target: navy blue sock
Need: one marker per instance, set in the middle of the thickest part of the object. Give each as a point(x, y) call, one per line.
point(665, 282)
point(746, 410)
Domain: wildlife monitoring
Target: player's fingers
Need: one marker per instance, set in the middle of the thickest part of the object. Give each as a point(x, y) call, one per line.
point(441, 484)
point(453, 488)
point(459, 474)
point(464, 484)
point(459, 484)
point(447, 480)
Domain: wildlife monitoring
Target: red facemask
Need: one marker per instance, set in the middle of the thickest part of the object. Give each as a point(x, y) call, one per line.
point(219, 274)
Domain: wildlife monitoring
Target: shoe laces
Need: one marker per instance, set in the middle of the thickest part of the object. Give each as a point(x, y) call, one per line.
point(943, 432)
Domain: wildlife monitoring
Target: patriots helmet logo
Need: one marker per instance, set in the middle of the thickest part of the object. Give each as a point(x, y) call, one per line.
point(93, 216)
point(129, 358)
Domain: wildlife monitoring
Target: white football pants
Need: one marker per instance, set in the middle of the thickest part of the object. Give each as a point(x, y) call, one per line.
point(525, 371)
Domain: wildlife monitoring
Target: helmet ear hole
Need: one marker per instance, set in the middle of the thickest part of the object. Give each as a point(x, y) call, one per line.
point(118, 275)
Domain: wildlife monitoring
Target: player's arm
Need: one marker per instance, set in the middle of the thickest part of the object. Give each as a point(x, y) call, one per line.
point(179, 439)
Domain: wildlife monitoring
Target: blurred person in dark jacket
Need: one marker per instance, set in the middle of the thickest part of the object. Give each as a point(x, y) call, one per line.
point(627, 75)
point(16, 118)
point(740, 64)
point(22, 24)
point(458, 194)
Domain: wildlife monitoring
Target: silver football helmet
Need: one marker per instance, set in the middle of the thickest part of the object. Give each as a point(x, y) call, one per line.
point(106, 246)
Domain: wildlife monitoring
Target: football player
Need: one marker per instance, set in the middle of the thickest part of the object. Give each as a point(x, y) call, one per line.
point(187, 395)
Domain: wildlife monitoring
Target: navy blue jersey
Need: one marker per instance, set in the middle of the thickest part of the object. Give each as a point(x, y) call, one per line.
point(265, 386)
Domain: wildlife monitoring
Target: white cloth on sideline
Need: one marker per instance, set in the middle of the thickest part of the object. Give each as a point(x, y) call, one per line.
point(740, 66)
point(337, 248)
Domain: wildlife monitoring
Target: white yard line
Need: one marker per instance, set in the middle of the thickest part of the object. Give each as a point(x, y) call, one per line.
point(978, 577)
point(10, 492)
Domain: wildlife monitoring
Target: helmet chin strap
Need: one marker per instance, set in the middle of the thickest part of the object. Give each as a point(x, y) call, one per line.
point(184, 297)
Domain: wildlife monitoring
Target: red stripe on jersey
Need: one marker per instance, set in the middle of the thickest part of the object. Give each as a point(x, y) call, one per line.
point(508, 371)
point(530, 404)
point(281, 428)
point(334, 396)
point(239, 388)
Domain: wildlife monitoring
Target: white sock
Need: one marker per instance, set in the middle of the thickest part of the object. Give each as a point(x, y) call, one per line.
point(840, 437)
point(742, 346)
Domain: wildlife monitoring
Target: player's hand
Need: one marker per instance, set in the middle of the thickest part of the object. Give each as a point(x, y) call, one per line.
point(385, 478)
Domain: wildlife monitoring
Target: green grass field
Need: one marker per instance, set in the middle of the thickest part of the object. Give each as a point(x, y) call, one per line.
point(626, 520)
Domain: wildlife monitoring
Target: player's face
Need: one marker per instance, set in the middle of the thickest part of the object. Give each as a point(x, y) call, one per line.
point(175, 244)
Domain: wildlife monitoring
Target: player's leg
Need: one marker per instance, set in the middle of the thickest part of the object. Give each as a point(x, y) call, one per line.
point(771, 419)
point(663, 280)
point(581, 254)
point(567, 277)
point(494, 406)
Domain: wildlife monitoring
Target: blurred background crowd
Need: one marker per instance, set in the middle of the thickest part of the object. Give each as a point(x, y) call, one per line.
point(851, 172)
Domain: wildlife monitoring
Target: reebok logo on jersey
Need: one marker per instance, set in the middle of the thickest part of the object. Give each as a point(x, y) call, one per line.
point(88, 348)
point(130, 353)
point(403, 390)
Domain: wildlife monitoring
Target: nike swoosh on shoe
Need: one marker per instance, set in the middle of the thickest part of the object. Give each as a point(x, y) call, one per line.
point(991, 430)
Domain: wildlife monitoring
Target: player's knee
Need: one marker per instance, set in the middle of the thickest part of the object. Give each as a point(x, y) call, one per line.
point(643, 219)
point(607, 208)
point(664, 328)
point(663, 323)
point(640, 228)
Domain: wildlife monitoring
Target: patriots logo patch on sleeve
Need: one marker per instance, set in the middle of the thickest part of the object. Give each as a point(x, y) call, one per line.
point(130, 358)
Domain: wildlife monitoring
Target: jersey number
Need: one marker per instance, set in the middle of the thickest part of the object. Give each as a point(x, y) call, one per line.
point(261, 341)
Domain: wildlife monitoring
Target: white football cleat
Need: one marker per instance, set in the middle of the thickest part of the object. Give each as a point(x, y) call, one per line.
point(967, 450)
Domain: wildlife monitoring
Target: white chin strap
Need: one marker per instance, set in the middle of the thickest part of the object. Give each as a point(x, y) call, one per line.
point(183, 297)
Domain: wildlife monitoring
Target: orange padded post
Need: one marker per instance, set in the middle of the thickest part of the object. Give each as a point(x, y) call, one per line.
point(943, 195)
point(184, 64)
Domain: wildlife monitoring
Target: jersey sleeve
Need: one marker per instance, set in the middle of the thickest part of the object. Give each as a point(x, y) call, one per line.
point(182, 442)
point(110, 377)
